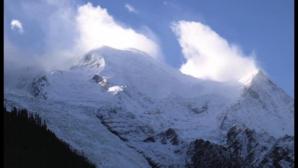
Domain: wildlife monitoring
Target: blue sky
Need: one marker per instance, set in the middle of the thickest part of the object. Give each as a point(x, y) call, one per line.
point(264, 28)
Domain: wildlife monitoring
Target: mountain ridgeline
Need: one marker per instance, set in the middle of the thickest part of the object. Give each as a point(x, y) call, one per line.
point(122, 108)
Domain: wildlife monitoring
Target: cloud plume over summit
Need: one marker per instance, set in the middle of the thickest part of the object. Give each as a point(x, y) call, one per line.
point(210, 56)
point(97, 28)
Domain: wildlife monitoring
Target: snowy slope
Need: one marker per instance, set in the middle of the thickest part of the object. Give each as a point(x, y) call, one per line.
point(126, 106)
point(263, 107)
point(77, 126)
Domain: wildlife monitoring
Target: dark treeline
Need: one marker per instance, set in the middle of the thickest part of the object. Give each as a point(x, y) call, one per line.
point(29, 144)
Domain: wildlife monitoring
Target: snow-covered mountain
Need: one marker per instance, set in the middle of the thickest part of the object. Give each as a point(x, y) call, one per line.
point(263, 107)
point(126, 109)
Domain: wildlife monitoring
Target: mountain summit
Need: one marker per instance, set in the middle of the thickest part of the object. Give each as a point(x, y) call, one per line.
point(263, 106)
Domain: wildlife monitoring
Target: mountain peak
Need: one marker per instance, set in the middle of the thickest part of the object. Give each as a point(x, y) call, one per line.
point(261, 81)
point(247, 79)
point(259, 76)
point(255, 77)
point(99, 57)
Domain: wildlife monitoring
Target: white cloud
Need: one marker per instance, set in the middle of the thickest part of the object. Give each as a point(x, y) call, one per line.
point(209, 56)
point(97, 28)
point(130, 8)
point(16, 25)
point(61, 32)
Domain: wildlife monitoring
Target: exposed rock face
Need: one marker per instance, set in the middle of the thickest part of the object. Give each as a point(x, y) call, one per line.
point(97, 78)
point(245, 148)
point(37, 87)
point(281, 154)
point(167, 137)
point(150, 139)
point(246, 144)
point(206, 154)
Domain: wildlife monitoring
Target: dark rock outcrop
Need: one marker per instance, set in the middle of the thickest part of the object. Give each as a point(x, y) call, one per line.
point(281, 154)
point(244, 148)
point(38, 87)
point(170, 136)
point(248, 145)
point(97, 78)
point(206, 154)
point(167, 137)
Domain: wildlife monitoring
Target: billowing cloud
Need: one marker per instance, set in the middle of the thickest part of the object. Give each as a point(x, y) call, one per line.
point(97, 28)
point(60, 32)
point(209, 56)
point(16, 25)
point(130, 8)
